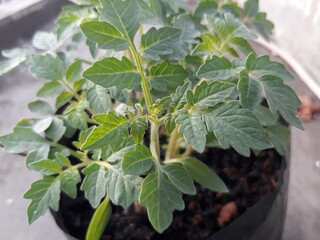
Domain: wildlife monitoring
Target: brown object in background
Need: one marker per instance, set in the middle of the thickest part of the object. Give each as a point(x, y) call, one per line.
point(308, 108)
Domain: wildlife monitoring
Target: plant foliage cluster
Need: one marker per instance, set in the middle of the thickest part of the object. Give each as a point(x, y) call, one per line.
point(157, 68)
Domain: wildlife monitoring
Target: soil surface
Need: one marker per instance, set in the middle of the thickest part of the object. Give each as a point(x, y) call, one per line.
point(248, 179)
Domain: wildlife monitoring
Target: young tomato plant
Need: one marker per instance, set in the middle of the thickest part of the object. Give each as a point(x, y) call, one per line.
point(182, 72)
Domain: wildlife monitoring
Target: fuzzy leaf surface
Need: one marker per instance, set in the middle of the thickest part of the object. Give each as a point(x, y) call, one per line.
point(111, 72)
point(123, 15)
point(106, 35)
point(137, 161)
point(94, 184)
point(236, 127)
point(122, 188)
point(46, 167)
point(43, 193)
point(161, 198)
point(69, 180)
point(99, 99)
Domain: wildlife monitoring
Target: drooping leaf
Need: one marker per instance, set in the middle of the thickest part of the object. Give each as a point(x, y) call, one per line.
point(8, 65)
point(47, 67)
point(43, 193)
point(281, 98)
point(160, 42)
point(99, 100)
point(50, 89)
point(180, 178)
point(69, 180)
point(263, 66)
point(165, 76)
point(193, 130)
point(36, 155)
point(202, 174)
point(250, 91)
point(217, 68)
point(99, 220)
point(123, 15)
point(56, 129)
point(94, 184)
point(40, 107)
point(138, 129)
point(111, 72)
point(280, 138)
point(208, 95)
point(46, 167)
point(161, 198)
point(106, 35)
point(265, 116)
point(112, 132)
point(137, 161)
point(22, 139)
point(122, 188)
point(236, 127)
point(37, 125)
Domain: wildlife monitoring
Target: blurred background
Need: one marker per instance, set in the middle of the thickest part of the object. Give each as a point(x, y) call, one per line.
point(296, 41)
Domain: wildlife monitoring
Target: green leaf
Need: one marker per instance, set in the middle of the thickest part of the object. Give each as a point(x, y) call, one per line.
point(84, 2)
point(8, 65)
point(22, 139)
point(241, 45)
point(153, 12)
point(94, 184)
point(193, 130)
point(56, 130)
point(206, 7)
point(265, 116)
point(230, 27)
point(117, 153)
point(250, 91)
point(99, 220)
point(203, 175)
point(180, 178)
point(137, 161)
point(40, 107)
point(123, 15)
point(111, 72)
point(63, 160)
point(170, 123)
point(122, 188)
point(45, 41)
point(217, 68)
point(160, 42)
point(208, 95)
point(69, 180)
point(46, 167)
point(207, 46)
point(263, 66)
point(281, 98)
point(37, 125)
point(161, 198)
point(251, 7)
point(74, 71)
point(236, 127)
point(138, 129)
point(36, 155)
point(106, 35)
point(63, 99)
point(262, 25)
point(112, 132)
point(99, 100)
point(166, 76)
point(44, 193)
point(76, 115)
point(50, 89)
point(179, 97)
point(280, 138)
point(47, 67)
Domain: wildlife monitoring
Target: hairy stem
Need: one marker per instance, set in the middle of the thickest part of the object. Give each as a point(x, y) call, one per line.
point(154, 142)
point(171, 150)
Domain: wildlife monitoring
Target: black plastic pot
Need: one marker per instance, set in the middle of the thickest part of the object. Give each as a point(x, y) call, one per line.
point(263, 221)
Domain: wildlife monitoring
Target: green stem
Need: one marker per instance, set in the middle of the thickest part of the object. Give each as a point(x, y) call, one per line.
point(72, 152)
point(154, 143)
point(144, 81)
point(172, 145)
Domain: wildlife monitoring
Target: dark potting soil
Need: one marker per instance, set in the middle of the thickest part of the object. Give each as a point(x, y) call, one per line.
point(248, 179)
